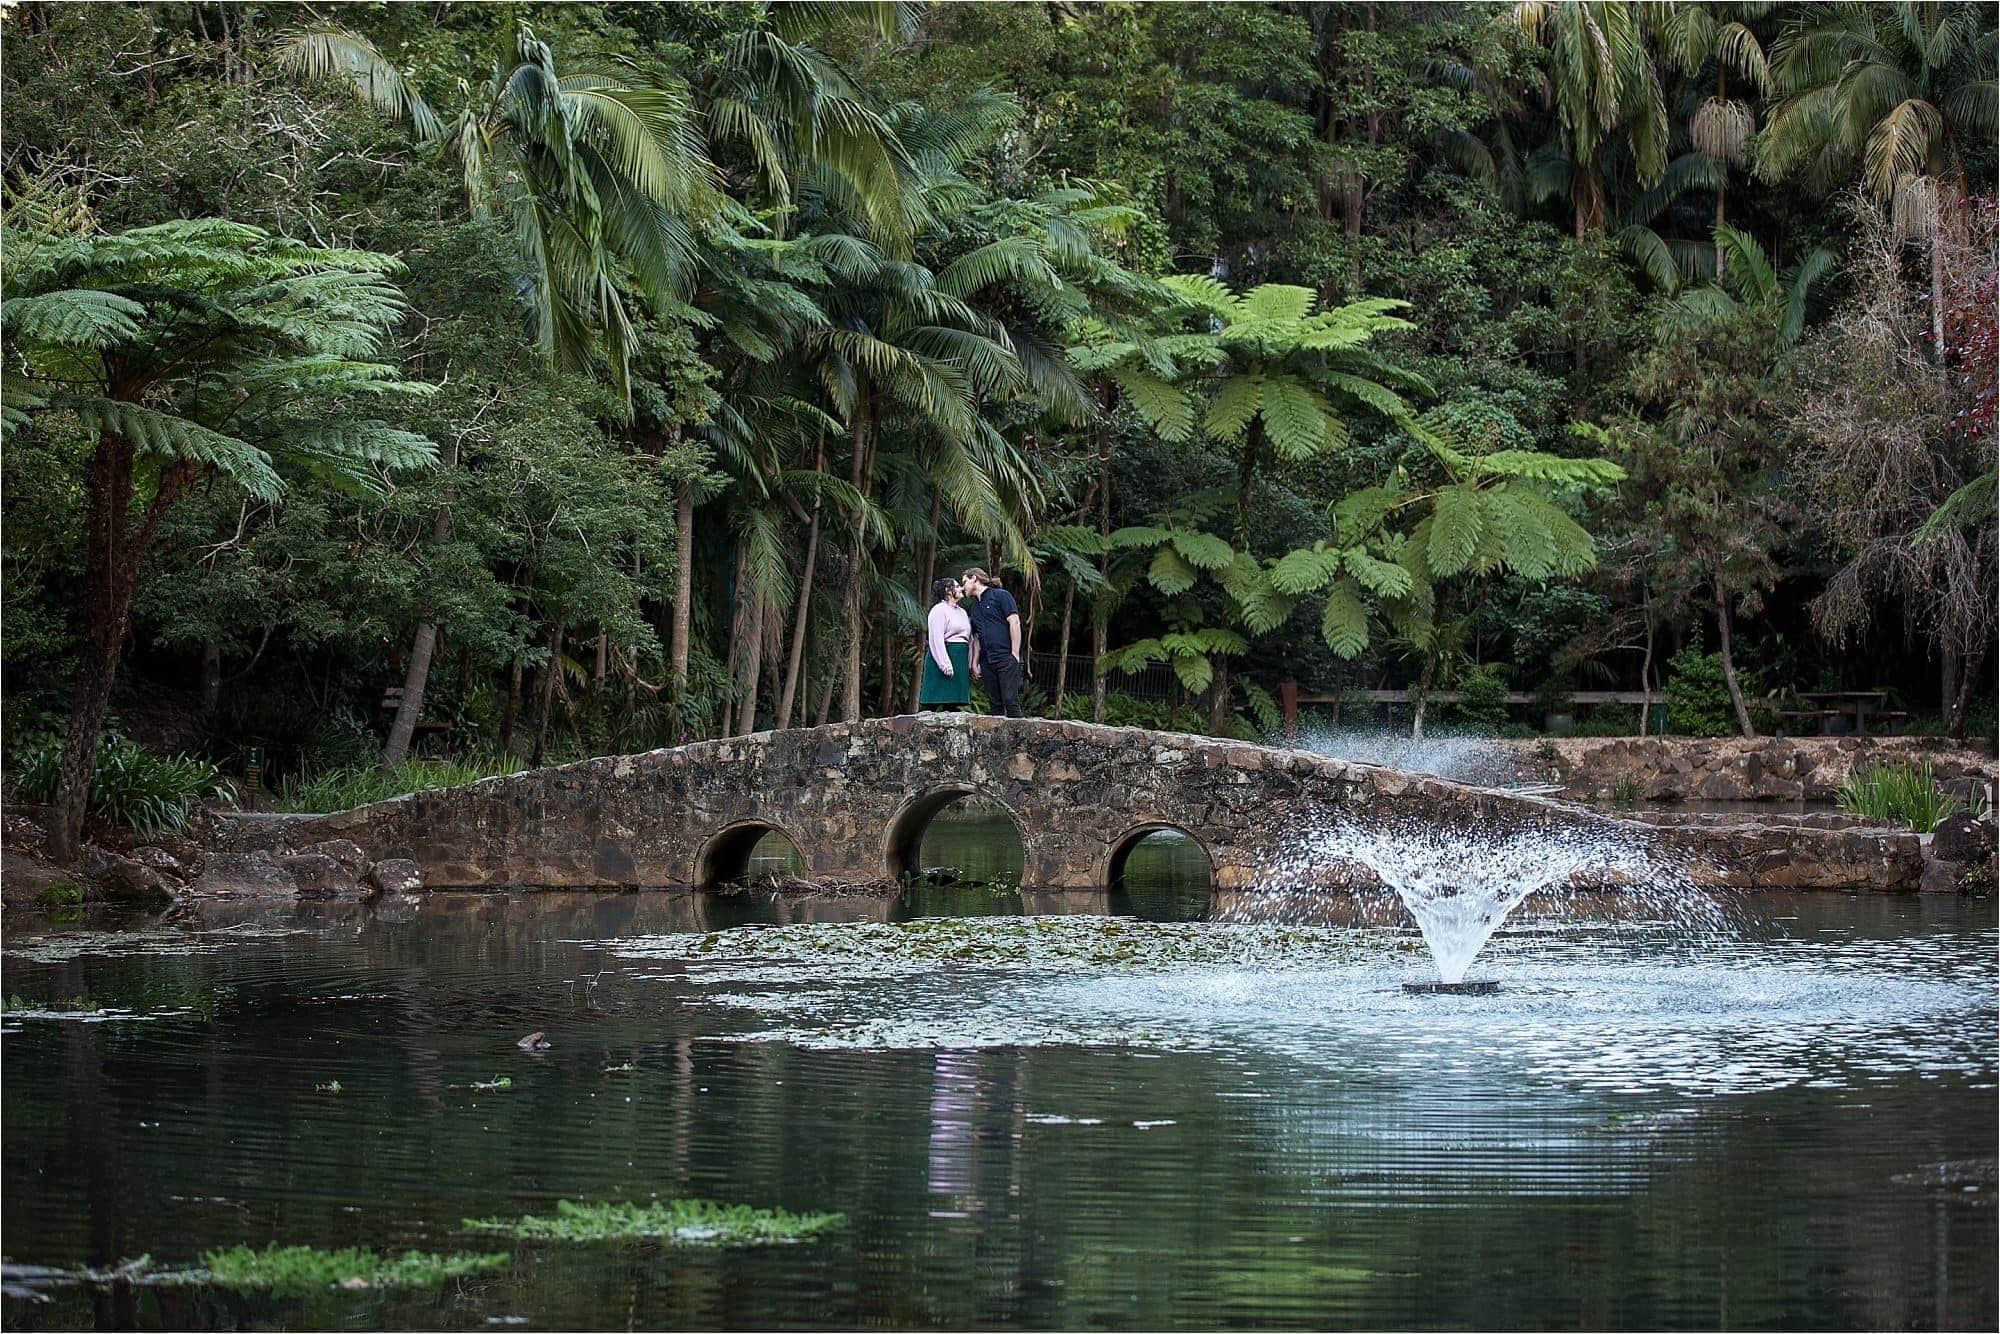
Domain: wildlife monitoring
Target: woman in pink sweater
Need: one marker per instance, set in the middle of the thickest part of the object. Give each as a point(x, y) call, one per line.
point(948, 661)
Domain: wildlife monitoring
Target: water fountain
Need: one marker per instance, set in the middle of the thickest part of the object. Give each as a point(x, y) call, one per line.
point(1461, 884)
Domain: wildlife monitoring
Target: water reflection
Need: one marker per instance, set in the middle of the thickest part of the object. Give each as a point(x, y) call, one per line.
point(1269, 1144)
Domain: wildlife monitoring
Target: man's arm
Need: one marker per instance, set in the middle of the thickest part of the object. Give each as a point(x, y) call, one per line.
point(1014, 633)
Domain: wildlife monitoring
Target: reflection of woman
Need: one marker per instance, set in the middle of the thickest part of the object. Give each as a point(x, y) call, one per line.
point(948, 664)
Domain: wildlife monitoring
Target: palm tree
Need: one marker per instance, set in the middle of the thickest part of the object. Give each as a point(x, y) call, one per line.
point(1701, 36)
point(1892, 90)
point(1749, 278)
point(1602, 81)
point(604, 177)
point(188, 350)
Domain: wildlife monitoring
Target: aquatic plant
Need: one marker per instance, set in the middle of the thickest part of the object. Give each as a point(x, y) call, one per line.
point(1902, 791)
point(131, 786)
point(677, 1222)
point(296, 1270)
point(343, 789)
point(62, 894)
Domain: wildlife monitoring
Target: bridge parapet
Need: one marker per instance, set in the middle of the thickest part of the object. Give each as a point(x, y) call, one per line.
point(855, 797)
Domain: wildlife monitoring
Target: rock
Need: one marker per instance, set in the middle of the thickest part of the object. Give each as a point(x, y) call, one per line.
point(318, 875)
point(396, 875)
point(533, 1042)
point(122, 879)
point(345, 851)
point(159, 859)
point(1963, 838)
point(243, 874)
point(1940, 876)
point(23, 879)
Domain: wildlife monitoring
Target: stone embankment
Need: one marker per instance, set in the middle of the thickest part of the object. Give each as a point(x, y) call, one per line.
point(1772, 769)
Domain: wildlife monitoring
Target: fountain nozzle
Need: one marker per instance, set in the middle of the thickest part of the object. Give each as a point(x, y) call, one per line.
point(1452, 988)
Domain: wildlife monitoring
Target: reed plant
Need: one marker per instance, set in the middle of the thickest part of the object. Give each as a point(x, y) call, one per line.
point(358, 785)
point(1902, 791)
point(131, 786)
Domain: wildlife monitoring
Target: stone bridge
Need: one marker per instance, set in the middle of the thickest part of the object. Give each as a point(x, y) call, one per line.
point(854, 798)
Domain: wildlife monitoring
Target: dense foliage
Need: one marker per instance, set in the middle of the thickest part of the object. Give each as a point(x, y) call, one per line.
point(540, 380)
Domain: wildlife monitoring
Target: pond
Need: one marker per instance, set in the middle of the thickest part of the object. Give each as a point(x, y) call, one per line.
point(1110, 1115)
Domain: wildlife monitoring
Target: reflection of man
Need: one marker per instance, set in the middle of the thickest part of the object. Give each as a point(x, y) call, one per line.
point(996, 624)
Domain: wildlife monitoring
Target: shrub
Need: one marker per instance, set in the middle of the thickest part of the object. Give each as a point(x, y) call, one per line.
point(1698, 695)
point(1609, 720)
point(1120, 709)
point(130, 786)
point(1484, 708)
point(1904, 792)
point(343, 789)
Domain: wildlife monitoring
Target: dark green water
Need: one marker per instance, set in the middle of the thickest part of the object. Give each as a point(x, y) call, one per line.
point(1637, 1133)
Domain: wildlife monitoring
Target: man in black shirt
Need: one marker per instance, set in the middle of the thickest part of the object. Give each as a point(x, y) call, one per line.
point(996, 624)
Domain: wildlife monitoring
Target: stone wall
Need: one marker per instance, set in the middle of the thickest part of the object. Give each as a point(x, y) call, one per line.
point(855, 797)
point(1787, 769)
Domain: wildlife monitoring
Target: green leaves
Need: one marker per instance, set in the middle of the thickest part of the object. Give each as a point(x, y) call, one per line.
point(1344, 623)
point(1457, 524)
point(173, 438)
point(1170, 572)
point(73, 318)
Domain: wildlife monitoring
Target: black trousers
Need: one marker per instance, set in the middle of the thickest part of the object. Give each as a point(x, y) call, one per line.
point(1003, 684)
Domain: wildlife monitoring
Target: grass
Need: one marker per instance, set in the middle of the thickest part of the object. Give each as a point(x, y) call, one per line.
point(343, 789)
point(679, 1222)
point(297, 1270)
point(1904, 792)
point(130, 786)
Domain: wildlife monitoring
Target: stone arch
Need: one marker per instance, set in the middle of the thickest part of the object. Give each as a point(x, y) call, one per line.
point(1112, 869)
point(723, 857)
point(905, 832)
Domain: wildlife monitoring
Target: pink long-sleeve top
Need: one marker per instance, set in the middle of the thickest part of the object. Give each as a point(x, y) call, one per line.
point(946, 624)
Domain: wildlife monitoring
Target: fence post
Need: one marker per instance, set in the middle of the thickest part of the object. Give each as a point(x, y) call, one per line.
point(1288, 698)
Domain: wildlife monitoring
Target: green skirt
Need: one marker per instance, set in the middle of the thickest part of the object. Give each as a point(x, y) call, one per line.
point(941, 689)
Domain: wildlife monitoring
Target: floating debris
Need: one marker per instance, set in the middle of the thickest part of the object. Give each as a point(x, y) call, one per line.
point(676, 1222)
point(533, 1042)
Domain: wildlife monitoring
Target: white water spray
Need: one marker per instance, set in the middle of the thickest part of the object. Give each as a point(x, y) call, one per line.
point(1461, 884)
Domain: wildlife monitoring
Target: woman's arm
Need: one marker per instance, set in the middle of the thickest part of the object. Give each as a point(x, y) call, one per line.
point(939, 655)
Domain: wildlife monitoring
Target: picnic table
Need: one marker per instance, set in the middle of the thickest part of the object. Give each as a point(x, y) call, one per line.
point(1838, 704)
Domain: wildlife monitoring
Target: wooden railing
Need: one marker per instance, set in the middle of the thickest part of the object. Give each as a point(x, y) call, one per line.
point(1290, 697)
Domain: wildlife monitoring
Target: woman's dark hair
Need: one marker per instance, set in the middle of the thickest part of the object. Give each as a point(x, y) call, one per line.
point(939, 587)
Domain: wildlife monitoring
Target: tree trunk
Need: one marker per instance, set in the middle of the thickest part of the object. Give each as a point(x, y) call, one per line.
point(1948, 681)
point(510, 708)
point(1423, 699)
point(1729, 662)
point(677, 642)
point(1062, 646)
point(1100, 616)
point(795, 660)
point(753, 667)
point(412, 702)
point(741, 610)
point(826, 692)
point(1937, 279)
point(211, 676)
point(548, 697)
point(1218, 703)
point(112, 556)
point(1957, 705)
point(924, 595)
point(1646, 680)
point(853, 649)
point(417, 676)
